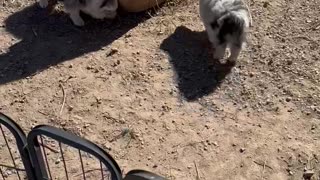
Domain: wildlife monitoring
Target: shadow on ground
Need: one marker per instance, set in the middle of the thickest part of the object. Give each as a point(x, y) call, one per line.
point(47, 40)
point(188, 56)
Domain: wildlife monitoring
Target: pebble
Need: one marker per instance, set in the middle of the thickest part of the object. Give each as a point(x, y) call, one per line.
point(112, 52)
point(107, 146)
point(57, 161)
point(288, 99)
point(308, 174)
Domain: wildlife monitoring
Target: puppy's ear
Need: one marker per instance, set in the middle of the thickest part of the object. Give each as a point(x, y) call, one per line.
point(221, 20)
point(109, 5)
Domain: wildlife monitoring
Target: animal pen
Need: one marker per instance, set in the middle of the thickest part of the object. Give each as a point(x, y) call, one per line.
point(48, 152)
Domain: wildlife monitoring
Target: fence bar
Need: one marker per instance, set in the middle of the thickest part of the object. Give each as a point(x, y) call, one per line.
point(101, 170)
point(45, 157)
point(9, 149)
point(2, 174)
point(21, 142)
point(76, 142)
point(64, 162)
point(82, 167)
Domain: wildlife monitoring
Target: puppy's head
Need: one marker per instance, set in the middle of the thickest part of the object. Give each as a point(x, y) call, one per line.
point(228, 24)
point(110, 8)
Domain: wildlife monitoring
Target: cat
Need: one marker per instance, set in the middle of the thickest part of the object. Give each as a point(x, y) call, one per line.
point(98, 9)
point(226, 23)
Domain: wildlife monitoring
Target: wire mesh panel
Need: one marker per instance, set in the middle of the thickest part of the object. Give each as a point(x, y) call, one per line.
point(10, 161)
point(51, 153)
point(58, 154)
point(14, 157)
point(65, 162)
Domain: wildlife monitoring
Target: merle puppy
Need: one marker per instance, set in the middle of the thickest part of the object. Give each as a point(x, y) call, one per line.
point(226, 23)
point(98, 9)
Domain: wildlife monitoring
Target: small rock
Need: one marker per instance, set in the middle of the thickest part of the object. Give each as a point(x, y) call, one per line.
point(288, 99)
point(9, 172)
point(107, 146)
point(112, 52)
point(308, 174)
point(57, 161)
point(242, 150)
point(89, 67)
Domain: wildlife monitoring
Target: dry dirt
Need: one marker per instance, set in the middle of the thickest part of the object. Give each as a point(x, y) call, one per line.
point(146, 74)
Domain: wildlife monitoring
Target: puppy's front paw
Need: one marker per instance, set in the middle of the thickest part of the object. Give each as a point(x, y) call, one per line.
point(231, 62)
point(43, 3)
point(78, 22)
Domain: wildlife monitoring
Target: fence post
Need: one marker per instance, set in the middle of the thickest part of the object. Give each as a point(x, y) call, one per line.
point(21, 141)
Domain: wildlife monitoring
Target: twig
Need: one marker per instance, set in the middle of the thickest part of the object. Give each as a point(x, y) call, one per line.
point(64, 98)
point(43, 113)
point(305, 38)
point(264, 167)
point(198, 175)
point(48, 147)
point(90, 171)
point(34, 32)
point(11, 167)
point(263, 164)
point(249, 11)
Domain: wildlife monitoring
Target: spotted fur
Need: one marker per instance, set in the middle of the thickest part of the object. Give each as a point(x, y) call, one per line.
point(226, 23)
point(98, 9)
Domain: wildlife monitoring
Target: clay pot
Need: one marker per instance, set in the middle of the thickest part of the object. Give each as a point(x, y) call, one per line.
point(138, 5)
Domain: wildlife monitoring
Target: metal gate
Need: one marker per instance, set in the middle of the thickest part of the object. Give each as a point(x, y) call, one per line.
point(48, 153)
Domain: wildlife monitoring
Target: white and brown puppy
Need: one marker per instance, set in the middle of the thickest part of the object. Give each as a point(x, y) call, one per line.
point(226, 23)
point(98, 9)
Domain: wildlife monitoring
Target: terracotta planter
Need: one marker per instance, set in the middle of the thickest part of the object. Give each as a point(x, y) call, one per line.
point(138, 5)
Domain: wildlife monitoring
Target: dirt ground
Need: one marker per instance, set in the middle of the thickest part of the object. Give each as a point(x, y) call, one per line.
point(146, 74)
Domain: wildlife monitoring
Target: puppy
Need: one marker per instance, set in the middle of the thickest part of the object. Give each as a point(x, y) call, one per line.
point(98, 9)
point(226, 23)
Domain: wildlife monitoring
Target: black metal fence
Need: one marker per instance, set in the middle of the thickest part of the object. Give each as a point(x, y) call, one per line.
point(51, 153)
